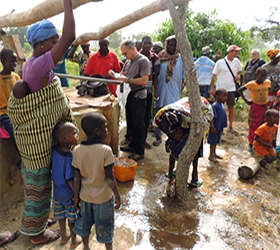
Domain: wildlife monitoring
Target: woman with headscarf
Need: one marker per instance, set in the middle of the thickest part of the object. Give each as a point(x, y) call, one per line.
point(34, 117)
point(170, 78)
point(273, 74)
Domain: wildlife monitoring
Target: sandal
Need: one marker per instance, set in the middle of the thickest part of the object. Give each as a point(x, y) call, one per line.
point(11, 236)
point(148, 146)
point(124, 142)
point(157, 142)
point(167, 174)
point(136, 157)
point(54, 236)
point(196, 184)
point(51, 221)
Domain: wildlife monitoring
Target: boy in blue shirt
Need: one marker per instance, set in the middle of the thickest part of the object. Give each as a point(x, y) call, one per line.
point(65, 133)
point(217, 124)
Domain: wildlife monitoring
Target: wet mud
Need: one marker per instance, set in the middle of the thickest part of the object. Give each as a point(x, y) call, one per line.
point(226, 212)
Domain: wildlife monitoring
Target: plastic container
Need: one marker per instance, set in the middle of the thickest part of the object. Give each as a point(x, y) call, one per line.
point(124, 169)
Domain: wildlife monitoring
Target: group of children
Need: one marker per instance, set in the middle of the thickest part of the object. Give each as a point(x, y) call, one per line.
point(263, 126)
point(83, 180)
point(263, 122)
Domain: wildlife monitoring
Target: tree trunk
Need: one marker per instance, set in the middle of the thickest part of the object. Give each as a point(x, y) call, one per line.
point(198, 125)
point(42, 11)
point(53, 7)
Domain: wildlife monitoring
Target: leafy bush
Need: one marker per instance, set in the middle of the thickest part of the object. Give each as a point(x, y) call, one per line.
point(241, 110)
point(72, 69)
point(205, 29)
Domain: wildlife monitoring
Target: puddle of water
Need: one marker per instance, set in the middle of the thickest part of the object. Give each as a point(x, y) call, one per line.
point(155, 224)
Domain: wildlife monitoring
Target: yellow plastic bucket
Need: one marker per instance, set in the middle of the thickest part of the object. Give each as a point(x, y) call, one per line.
point(124, 169)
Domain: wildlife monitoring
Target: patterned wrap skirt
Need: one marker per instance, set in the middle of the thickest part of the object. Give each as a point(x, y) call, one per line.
point(38, 200)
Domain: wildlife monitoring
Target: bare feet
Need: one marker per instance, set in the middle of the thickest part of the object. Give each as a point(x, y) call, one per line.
point(47, 236)
point(218, 157)
point(64, 239)
point(213, 159)
point(76, 242)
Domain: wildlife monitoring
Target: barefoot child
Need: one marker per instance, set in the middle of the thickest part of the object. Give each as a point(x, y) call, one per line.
point(65, 133)
point(7, 81)
point(258, 105)
point(94, 183)
point(175, 147)
point(175, 121)
point(265, 135)
point(218, 123)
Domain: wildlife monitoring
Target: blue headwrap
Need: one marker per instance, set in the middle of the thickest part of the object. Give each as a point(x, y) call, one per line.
point(40, 31)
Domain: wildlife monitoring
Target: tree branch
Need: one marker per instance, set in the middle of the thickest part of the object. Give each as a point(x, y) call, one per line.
point(42, 11)
point(133, 17)
point(53, 7)
point(273, 22)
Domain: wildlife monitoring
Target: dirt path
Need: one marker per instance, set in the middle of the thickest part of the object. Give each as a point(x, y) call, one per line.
point(224, 213)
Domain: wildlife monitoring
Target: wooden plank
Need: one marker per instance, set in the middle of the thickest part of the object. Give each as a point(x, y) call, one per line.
point(13, 43)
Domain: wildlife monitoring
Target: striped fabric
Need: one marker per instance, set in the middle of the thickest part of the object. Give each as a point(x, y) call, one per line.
point(34, 118)
point(38, 200)
point(62, 212)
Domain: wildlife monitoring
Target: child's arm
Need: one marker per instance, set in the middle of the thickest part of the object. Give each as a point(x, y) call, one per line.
point(212, 127)
point(266, 144)
point(274, 143)
point(277, 103)
point(240, 91)
point(113, 185)
point(71, 184)
point(179, 134)
point(167, 149)
point(77, 187)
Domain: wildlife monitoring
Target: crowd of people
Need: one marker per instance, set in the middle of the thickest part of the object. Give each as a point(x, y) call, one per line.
point(83, 181)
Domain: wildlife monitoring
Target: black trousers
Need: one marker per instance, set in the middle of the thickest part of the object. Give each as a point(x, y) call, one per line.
point(136, 129)
point(148, 115)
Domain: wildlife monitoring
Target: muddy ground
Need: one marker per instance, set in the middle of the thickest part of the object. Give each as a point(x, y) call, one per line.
point(224, 213)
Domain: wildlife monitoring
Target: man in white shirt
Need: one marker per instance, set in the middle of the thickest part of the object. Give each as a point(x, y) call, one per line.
point(225, 79)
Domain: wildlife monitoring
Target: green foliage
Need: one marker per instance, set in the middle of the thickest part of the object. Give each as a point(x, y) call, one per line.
point(19, 31)
point(139, 36)
point(72, 69)
point(27, 50)
point(204, 29)
point(115, 39)
point(241, 110)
